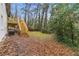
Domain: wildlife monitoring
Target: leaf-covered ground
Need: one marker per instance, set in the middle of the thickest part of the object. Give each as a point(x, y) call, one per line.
point(36, 44)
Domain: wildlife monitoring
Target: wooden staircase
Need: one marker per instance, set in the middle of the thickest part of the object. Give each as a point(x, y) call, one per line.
point(22, 26)
point(17, 26)
point(12, 26)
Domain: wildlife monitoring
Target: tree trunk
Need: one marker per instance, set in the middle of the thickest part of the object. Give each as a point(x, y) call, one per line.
point(45, 19)
point(8, 9)
point(25, 12)
point(42, 18)
point(16, 11)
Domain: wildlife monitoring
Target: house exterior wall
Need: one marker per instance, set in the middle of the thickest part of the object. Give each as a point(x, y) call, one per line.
point(3, 21)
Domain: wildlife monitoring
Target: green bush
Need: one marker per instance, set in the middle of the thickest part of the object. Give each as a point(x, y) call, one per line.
point(62, 23)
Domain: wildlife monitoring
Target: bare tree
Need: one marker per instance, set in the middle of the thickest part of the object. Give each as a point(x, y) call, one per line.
point(8, 9)
point(44, 16)
point(46, 13)
point(16, 10)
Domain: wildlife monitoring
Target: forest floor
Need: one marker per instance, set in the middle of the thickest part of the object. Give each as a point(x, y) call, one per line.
point(37, 44)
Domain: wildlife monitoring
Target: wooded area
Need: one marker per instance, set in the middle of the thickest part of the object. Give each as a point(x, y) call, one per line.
point(62, 20)
point(58, 19)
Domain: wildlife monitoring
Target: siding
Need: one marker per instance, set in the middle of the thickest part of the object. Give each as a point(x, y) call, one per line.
point(3, 21)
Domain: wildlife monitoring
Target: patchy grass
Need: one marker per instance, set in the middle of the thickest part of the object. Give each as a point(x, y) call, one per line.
point(39, 35)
